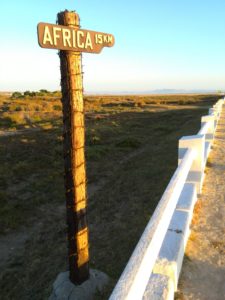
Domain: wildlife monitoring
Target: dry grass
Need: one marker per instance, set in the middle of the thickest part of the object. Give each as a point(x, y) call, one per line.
point(197, 209)
point(131, 151)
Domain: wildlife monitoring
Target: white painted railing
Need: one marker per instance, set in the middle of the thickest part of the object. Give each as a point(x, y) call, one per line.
point(135, 277)
point(192, 156)
point(205, 128)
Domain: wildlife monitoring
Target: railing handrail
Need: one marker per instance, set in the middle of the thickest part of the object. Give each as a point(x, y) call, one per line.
point(137, 272)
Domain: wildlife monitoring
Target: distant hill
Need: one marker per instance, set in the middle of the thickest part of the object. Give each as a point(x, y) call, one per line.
point(156, 92)
point(182, 91)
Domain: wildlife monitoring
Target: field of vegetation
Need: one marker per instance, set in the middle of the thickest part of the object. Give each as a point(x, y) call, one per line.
point(131, 152)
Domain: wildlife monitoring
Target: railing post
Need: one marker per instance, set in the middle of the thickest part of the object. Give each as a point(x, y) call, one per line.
point(197, 143)
point(210, 134)
point(213, 112)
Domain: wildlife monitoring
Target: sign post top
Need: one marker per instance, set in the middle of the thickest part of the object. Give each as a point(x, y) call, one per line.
point(73, 39)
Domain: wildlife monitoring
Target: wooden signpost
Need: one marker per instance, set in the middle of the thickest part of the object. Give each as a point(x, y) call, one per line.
point(71, 40)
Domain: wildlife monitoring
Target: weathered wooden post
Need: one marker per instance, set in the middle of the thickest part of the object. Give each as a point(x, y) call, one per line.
point(74, 158)
point(71, 40)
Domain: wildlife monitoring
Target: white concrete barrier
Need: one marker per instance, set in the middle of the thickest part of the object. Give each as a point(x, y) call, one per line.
point(196, 172)
point(171, 254)
point(208, 129)
point(187, 198)
point(159, 287)
point(162, 244)
point(134, 279)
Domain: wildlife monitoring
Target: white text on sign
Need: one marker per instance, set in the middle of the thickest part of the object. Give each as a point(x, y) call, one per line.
point(67, 38)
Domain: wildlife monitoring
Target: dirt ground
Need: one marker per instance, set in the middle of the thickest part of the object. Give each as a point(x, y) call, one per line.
point(203, 271)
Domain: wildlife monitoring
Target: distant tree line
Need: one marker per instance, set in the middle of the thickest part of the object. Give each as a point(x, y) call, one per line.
point(42, 92)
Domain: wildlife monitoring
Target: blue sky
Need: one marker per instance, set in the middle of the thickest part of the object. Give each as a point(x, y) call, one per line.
point(159, 44)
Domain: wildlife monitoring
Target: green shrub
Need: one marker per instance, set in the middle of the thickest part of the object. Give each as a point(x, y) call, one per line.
point(44, 91)
point(57, 107)
point(18, 108)
point(16, 95)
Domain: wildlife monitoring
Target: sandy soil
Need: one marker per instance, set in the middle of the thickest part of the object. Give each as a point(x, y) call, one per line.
point(203, 271)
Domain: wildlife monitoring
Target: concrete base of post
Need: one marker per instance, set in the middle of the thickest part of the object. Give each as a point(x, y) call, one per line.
point(64, 289)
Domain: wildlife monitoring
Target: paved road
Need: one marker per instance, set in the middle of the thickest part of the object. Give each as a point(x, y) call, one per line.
point(203, 271)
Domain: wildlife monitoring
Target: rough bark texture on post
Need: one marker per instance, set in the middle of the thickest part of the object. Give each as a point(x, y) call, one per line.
point(74, 159)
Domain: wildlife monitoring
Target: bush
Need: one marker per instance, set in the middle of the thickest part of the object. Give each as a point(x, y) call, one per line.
point(30, 94)
point(16, 95)
point(57, 107)
point(18, 108)
point(26, 93)
point(44, 91)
